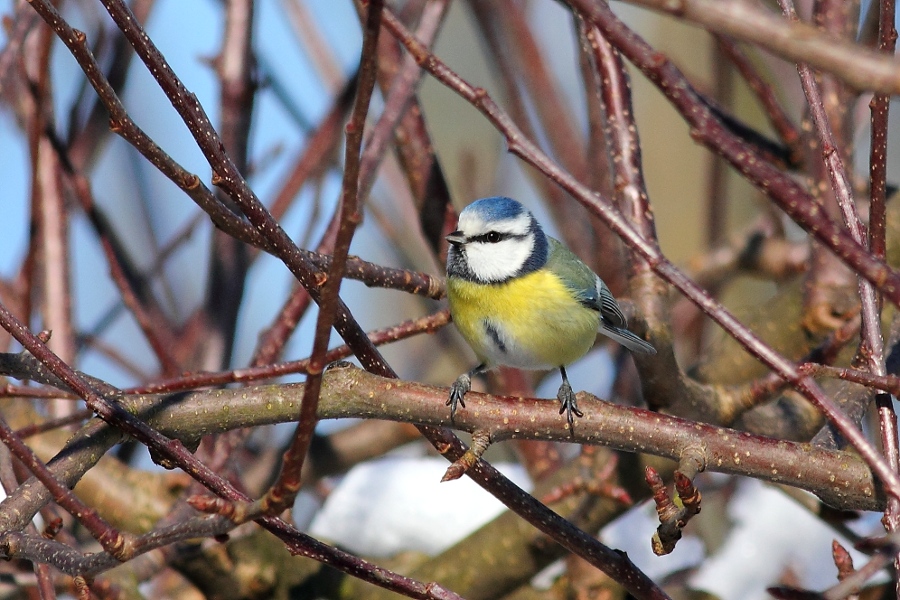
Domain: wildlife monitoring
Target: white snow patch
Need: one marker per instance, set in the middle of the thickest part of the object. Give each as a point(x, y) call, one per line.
point(771, 534)
point(394, 504)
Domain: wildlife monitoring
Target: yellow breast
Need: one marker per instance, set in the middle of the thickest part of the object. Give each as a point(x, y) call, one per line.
point(539, 322)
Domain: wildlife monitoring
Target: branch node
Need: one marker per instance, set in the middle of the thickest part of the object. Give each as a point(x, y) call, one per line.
point(119, 545)
point(190, 181)
point(692, 460)
point(236, 512)
point(481, 439)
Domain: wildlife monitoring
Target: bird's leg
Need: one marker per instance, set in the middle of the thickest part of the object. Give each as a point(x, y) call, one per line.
point(459, 388)
point(566, 398)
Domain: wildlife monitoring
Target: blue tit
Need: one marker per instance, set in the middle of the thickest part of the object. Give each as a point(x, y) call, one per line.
point(522, 299)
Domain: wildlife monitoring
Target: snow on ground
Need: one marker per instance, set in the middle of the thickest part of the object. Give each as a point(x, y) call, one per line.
point(394, 504)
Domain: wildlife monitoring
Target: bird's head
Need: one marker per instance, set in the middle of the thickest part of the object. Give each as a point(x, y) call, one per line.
point(496, 239)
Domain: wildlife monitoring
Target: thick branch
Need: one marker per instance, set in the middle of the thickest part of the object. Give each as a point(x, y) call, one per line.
point(840, 478)
point(861, 67)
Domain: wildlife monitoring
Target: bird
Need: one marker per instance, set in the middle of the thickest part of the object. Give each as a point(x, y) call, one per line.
point(520, 298)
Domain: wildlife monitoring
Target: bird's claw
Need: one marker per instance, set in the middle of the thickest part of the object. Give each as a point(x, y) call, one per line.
point(567, 404)
point(458, 391)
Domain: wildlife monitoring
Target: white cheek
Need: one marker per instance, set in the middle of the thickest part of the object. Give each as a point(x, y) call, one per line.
point(500, 261)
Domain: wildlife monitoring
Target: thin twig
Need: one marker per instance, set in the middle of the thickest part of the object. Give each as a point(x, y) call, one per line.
point(428, 324)
point(608, 248)
point(229, 258)
point(871, 340)
point(518, 95)
point(880, 106)
point(415, 150)
point(116, 543)
point(399, 98)
point(135, 293)
point(778, 117)
point(284, 490)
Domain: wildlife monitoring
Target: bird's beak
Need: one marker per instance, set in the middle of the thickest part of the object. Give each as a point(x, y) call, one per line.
point(456, 238)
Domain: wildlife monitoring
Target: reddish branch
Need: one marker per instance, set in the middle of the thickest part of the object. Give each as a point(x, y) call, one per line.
point(622, 135)
point(23, 22)
point(318, 149)
point(133, 289)
point(49, 241)
point(851, 583)
point(428, 324)
point(860, 67)
point(779, 119)
point(601, 483)
point(229, 258)
point(607, 247)
point(880, 106)
point(755, 393)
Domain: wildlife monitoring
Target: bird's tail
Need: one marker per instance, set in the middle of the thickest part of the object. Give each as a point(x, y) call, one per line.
point(627, 339)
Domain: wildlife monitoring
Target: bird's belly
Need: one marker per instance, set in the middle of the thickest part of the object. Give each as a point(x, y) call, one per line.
point(531, 322)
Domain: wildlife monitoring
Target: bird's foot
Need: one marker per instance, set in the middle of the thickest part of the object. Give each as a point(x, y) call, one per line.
point(458, 391)
point(567, 404)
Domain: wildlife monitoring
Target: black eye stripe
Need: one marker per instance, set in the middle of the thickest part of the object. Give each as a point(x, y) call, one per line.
point(492, 237)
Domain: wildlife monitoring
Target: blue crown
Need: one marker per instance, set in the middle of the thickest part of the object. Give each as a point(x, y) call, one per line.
point(496, 208)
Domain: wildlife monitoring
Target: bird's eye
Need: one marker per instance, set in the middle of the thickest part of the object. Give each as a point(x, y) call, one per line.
point(493, 237)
